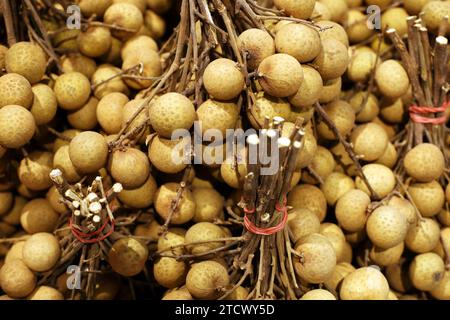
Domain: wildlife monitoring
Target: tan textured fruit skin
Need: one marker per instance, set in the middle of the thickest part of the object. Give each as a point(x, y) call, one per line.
point(365, 112)
point(203, 231)
point(208, 204)
point(299, 41)
point(338, 9)
point(343, 116)
point(386, 257)
point(333, 30)
point(34, 170)
point(163, 201)
point(386, 227)
point(370, 141)
point(72, 90)
point(323, 164)
point(124, 15)
point(88, 152)
point(361, 64)
point(280, 75)
point(389, 157)
point(167, 155)
point(15, 252)
point(405, 207)
point(98, 7)
point(308, 197)
point(351, 210)
point(357, 29)
point(335, 186)
point(331, 90)
point(310, 89)
point(169, 272)
point(258, 43)
point(109, 112)
point(13, 216)
point(332, 62)
point(137, 43)
point(130, 167)
point(178, 294)
point(6, 202)
point(76, 62)
point(339, 273)
point(41, 251)
point(303, 222)
point(85, 118)
point(296, 9)
point(217, 115)
point(229, 175)
point(18, 126)
point(16, 280)
point(442, 291)
point(45, 293)
point(426, 271)
point(223, 80)
point(105, 72)
point(61, 160)
point(423, 237)
point(205, 279)
point(268, 106)
point(428, 197)
point(434, 12)
point(128, 256)
point(94, 42)
point(392, 79)
point(44, 104)
point(141, 197)
point(54, 198)
point(151, 68)
point(171, 111)
point(318, 294)
point(381, 179)
point(15, 89)
point(26, 59)
point(38, 216)
point(425, 162)
point(365, 284)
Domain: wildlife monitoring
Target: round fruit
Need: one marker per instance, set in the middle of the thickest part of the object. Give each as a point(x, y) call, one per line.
point(141, 197)
point(386, 227)
point(15, 89)
point(163, 202)
point(434, 12)
point(94, 42)
point(16, 280)
point(426, 271)
point(258, 44)
point(323, 164)
point(342, 115)
point(337, 8)
point(223, 80)
point(34, 170)
point(26, 59)
point(18, 126)
point(151, 67)
point(127, 256)
point(365, 112)
point(61, 160)
point(442, 290)
point(300, 10)
point(89, 8)
point(351, 210)
point(41, 251)
point(309, 197)
point(310, 89)
point(76, 62)
point(169, 272)
point(361, 65)
point(425, 162)
point(217, 115)
point(38, 216)
point(72, 90)
point(56, 201)
point(45, 293)
point(106, 81)
point(130, 167)
point(124, 15)
point(424, 236)
point(44, 105)
point(386, 257)
point(84, 118)
point(335, 186)
point(169, 156)
point(395, 18)
point(109, 112)
point(136, 44)
point(6, 202)
point(341, 270)
point(203, 231)
point(318, 294)
point(332, 62)
point(366, 283)
point(392, 79)
point(428, 197)
point(333, 30)
point(405, 207)
point(380, 178)
point(208, 204)
point(389, 157)
point(178, 294)
point(206, 279)
point(88, 152)
point(303, 222)
point(357, 26)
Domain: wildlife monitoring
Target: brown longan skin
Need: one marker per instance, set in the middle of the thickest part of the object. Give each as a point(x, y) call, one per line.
point(357, 29)
point(442, 290)
point(161, 153)
point(389, 157)
point(12, 217)
point(34, 170)
point(130, 167)
point(268, 106)
point(88, 152)
point(365, 112)
point(137, 43)
point(170, 112)
point(405, 207)
point(18, 126)
point(365, 283)
point(296, 9)
point(258, 43)
point(361, 65)
point(434, 12)
point(105, 72)
point(208, 204)
point(335, 186)
point(151, 67)
point(15, 89)
point(141, 197)
point(6, 202)
point(84, 118)
point(337, 8)
point(15, 252)
point(386, 227)
point(55, 199)
point(26, 59)
point(333, 30)
point(426, 271)
point(89, 7)
point(336, 236)
point(205, 279)
point(45, 293)
point(109, 112)
point(280, 75)
point(303, 222)
point(76, 62)
point(343, 116)
point(333, 60)
point(380, 178)
point(217, 115)
point(351, 210)
point(309, 197)
point(223, 80)
point(61, 160)
point(386, 257)
point(125, 15)
point(38, 216)
point(414, 7)
point(127, 256)
point(69, 134)
point(310, 89)
point(169, 272)
point(155, 24)
point(228, 172)
point(341, 270)
point(163, 201)
point(16, 280)
point(323, 164)
point(392, 111)
point(41, 251)
point(424, 236)
point(318, 294)
point(203, 231)
point(128, 112)
point(44, 104)
point(95, 41)
point(395, 18)
point(428, 197)
point(392, 79)
point(331, 90)
point(425, 162)
point(178, 294)
point(72, 90)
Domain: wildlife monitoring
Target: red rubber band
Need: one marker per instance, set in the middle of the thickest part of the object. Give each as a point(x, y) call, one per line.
point(250, 226)
point(80, 235)
point(416, 111)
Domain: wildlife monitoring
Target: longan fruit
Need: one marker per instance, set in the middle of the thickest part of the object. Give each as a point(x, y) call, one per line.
point(361, 64)
point(129, 110)
point(109, 112)
point(333, 60)
point(333, 30)
point(380, 178)
point(351, 210)
point(203, 231)
point(155, 24)
point(16, 280)
point(38, 216)
point(366, 283)
point(318, 258)
point(342, 115)
point(140, 4)
point(34, 170)
point(15, 89)
point(414, 7)
point(321, 12)
point(208, 204)
point(13, 216)
point(424, 236)
point(380, 3)
point(338, 9)
point(169, 272)
point(170, 112)
point(168, 156)
point(130, 167)
point(223, 80)
point(55, 199)
point(127, 256)
point(69, 134)
point(389, 157)
point(6, 202)
point(3, 50)
point(104, 73)
point(45, 293)
point(331, 90)
point(172, 240)
point(310, 90)
point(76, 62)
point(335, 186)
point(26, 59)
point(392, 111)
point(433, 14)
point(66, 40)
point(267, 106)
point(444, 217)
point(151, 67)
point(44, 104)
point(15, 252)
point(62, 161)
point(141, 197)
point(106, 287)
point(365, 112)
point(138, 43)
point(303, 222)
point(395, 18)
point(357, 29)
point(300, 10)
point(149, 230)
point(336, 237)
point(300, 41)
point(309, 197)
point(280, 75)
point(390, 129)
point(258, 44)
point(392, 79)
point(124, 15)
point(88, 152)
point(425, 162)
point(309, 148)
point(341, 270)
point(405, 207)
point(18, 126)
point(428, 197)
point(213, 114)
point(94, 41)
point(426, 271)
point(113, 55)
point(84, 118)
point(89, 8)
point(323, 164)
point(442, 290)
point(370, 141)
point(398, 276)
point(318, 294)
point(163, 202)
point(41, 251)
point(386, 227)
point(206, 279)
point(159, 6)
point(447, 193)
point(386, 257)
point(178, 294)
point(72, 90)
